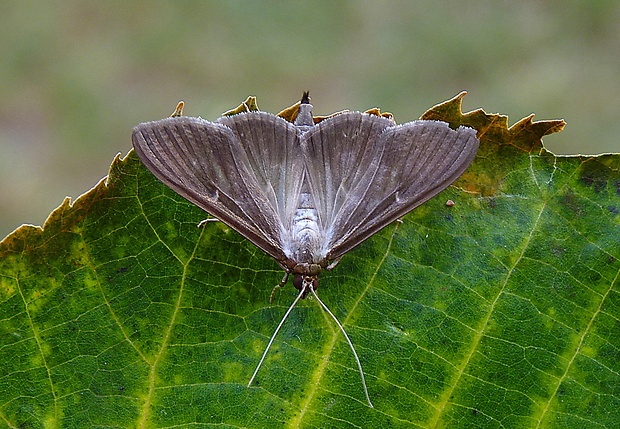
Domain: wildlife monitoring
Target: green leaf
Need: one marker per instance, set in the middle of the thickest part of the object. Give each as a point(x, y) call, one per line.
point(499, 312)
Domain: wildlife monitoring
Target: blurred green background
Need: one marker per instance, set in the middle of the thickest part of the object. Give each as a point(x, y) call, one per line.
point(76, 76)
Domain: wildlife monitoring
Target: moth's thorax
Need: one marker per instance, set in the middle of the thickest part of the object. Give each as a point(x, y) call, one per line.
point(304, 120)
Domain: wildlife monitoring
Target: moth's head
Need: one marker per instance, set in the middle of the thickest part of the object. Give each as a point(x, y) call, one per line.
point(302, 282)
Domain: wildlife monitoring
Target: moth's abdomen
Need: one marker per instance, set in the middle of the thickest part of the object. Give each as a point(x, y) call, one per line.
point(305, 243)
point(303, 239)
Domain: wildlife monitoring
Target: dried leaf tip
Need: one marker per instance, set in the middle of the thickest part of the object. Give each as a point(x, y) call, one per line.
point(178, 111)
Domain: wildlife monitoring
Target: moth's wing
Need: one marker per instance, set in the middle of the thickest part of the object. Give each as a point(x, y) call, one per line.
point(340, 154)
point(274, 154)
point(218, 169)
point(365, 172)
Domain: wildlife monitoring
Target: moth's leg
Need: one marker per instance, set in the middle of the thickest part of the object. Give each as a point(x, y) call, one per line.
point(209, 219)
point(278, 286)
point(333, 263)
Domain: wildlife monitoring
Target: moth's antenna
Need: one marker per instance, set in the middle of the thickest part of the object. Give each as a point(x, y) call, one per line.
point(273, 337)
point(357, 359)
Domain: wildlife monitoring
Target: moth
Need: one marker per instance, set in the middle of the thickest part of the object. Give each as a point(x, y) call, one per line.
point(305, 193)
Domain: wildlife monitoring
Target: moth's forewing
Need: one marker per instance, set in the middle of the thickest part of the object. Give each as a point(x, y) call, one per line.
point(384, 171)
point(341, 155)
point(271, 145)
point(218, 170)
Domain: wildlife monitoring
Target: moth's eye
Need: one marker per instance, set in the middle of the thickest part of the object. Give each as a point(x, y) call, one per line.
point(298, 281)
point(315, 283)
